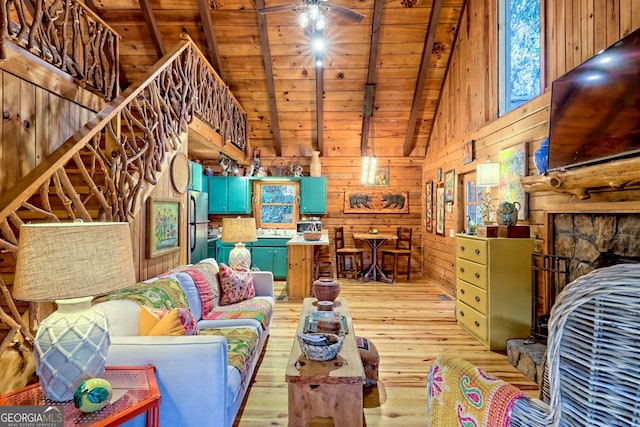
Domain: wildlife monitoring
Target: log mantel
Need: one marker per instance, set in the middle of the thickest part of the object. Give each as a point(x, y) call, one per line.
point(614, 175)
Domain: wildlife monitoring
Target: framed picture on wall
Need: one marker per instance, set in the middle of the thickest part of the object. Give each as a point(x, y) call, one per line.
point(440, 209)
point(449, 185)
point(429, 205)
point(513, 165)
point(469, 154)
point(163, 219)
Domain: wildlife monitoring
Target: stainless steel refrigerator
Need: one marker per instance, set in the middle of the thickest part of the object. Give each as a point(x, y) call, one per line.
point(198, 223)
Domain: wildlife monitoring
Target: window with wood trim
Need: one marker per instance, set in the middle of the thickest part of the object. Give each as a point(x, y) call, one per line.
point(519, 52)
point(277, 204)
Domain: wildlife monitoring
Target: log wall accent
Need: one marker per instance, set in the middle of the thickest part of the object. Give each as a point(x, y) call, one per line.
point(469, 107)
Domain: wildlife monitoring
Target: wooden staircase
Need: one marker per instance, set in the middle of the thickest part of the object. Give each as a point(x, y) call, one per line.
point(108, 168)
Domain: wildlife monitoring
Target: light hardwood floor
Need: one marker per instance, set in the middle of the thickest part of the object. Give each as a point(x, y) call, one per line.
point(409, 323)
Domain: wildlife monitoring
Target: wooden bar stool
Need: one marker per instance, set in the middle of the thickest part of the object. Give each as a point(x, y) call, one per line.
point(403, 248)
point(322, 266)
point(353, 254)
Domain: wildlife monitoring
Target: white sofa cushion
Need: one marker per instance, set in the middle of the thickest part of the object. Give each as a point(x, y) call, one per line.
point(123, 317)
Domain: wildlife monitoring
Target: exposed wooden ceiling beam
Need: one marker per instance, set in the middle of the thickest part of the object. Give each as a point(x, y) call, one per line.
point(371, 74)
point(320, 108)
point(212, 44)
point(409, 143)
point(152, 25)
point(268, 69)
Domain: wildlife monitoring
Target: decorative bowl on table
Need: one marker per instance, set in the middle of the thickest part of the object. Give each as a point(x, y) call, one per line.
point(320, 347)
point(312, 235)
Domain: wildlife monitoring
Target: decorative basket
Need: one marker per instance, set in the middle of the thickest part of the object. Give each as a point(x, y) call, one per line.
point(321, 353)
point(278, 167)
point(312, 235)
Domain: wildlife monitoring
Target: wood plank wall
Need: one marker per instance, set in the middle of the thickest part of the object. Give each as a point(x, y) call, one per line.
point(34, 123)
point(575, 31)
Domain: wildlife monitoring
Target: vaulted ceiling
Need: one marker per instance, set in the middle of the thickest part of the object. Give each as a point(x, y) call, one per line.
point(378, 90)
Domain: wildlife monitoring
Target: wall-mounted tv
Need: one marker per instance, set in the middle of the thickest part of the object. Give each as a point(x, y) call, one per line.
point(595, 108)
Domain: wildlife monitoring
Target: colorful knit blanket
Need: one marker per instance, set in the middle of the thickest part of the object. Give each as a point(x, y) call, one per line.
point(255, 308)
point(240, 345)
point(164, 293)
point(463, 395)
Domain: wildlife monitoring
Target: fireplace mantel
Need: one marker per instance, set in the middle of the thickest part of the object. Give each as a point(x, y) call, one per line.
point(614, 175)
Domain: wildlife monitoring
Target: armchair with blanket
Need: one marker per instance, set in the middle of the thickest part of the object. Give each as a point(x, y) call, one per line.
point(592, 366)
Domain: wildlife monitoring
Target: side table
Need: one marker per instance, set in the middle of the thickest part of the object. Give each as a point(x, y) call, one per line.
point(134, 387)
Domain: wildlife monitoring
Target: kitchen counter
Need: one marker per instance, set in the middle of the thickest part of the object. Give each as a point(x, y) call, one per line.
point(301, 258)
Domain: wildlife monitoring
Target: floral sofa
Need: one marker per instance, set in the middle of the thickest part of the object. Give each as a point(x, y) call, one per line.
point(205, 361)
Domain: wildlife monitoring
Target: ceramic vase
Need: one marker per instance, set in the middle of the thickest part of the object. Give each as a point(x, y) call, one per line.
point(315, 167)
point(326, 289)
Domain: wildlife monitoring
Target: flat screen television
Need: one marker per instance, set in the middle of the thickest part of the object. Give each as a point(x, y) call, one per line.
point(595, 108)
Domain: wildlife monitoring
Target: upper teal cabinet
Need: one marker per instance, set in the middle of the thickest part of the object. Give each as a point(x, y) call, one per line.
point(229, 195)
point(313, 195)
point(195, 176)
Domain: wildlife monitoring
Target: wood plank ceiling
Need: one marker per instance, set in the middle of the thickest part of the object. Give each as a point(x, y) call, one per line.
point(397, 57)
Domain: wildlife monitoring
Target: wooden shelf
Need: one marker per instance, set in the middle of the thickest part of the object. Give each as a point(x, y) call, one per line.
point(615, 175)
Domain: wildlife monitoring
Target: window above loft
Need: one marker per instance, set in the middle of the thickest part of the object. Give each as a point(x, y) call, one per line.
point(519, 52)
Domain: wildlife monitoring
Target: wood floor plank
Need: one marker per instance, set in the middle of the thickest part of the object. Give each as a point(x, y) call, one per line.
point(410, 323)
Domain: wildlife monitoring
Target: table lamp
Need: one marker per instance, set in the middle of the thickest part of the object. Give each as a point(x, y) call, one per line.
point(239, 230)
point(487, 176)
point(70, 263)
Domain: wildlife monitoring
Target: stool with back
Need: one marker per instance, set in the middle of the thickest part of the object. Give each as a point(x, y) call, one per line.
point(343, 253)
point(403, 248)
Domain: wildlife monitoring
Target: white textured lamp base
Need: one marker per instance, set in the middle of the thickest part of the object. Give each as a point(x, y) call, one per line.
point(71, 345)
point(240, 255)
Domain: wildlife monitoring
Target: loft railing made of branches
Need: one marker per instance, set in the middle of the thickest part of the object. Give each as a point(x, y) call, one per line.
point(104, 169)
point(67, 35)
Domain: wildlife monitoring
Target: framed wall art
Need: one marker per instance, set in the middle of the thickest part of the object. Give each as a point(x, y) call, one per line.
point(440, 209)
point(469, 154)
point(163, 220)
point(429, 205)
point(449, 185)
point(513, 165)
point(376, 202)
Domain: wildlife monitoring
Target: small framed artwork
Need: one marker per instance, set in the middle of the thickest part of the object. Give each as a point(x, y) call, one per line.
point(513, 165)
point(163, 221)
point(469, 154)
point(439, 175)
point(449, 185)
point(429, 207)
point(440, 209)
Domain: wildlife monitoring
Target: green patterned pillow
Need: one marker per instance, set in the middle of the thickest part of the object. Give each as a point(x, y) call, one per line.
point(161, 293)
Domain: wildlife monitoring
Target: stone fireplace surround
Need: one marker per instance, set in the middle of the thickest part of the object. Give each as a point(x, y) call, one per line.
point(590, 238)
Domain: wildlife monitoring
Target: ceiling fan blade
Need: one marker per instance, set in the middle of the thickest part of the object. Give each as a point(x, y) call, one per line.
point(275, 9)
point(346, 13)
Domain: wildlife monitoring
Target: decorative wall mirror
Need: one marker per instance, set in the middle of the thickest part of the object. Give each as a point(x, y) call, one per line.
point(277, 204)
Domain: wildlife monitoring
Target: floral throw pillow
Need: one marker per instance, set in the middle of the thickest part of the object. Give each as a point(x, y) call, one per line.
point(236, 285)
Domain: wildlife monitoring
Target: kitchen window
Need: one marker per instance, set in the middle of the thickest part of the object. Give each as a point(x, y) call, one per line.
point(277, 204)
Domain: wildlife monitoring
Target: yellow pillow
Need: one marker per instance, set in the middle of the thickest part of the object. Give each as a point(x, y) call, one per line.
point(175, 322)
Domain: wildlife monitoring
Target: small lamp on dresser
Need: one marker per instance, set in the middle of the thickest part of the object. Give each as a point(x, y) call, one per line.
point(70, 263)
point(487, 176)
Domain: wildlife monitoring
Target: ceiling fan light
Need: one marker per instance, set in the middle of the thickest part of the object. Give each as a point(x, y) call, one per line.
point(304, 19)
point(314, 12)
point(320, 23)
point(318, 44)
point(319, 62)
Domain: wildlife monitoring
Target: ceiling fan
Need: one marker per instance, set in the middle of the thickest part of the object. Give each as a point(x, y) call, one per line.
point(312, 7)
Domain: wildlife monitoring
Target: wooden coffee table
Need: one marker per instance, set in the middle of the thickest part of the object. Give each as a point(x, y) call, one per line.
point(326, 389)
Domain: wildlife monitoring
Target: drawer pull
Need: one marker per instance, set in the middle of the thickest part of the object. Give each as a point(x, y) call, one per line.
point(462, 291)
point(477, 275)
point(461, 269)
point(477, 251)
point(462, 313)
point(477, 299)
point(462, 248)
point(477, 324)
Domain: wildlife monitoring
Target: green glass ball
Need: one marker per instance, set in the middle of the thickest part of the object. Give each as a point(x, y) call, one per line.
point(92, 394)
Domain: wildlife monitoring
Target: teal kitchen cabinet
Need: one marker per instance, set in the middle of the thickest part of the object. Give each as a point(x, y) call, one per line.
point(229, 195)
point(212, 248)
point(313, 195)
point(270, 255)
point(195, 176)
